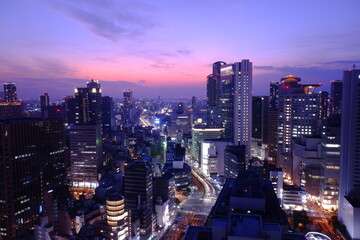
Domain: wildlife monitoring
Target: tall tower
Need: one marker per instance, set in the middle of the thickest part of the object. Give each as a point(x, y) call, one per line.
point(128, 99)
point(88, 103)
point(323, 101)
point(32, 161)
point(44, 104)
point(349, 192)
point(273, 122)
point(236, 102)
point(297, 116)
point(336, 96)
point(138, 189)
point(10, 92)
point(213, 96)
point(108, 120)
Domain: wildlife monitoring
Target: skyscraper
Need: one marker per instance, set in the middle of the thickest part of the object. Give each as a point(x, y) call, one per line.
point(85, 158)
point(69, 109)
point(349, 192)
point(44, 104)
point(108, 119)
point(323, 102)
point(336, 96)
point(213, 96)
point(128, 99)
point(260, 110)
point(236, 102)
point(88, 103)
point(138, 189)
point(32, 161)
point(297, 116)
point(10, 92)
point(273, 121)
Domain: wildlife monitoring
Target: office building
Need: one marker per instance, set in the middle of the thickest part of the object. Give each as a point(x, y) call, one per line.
point(213, 156)
point(234, 160)
point(88, 103)
point(200, 133)
point(297, 116)
point(349, 192)
point(273, 122)
point(85, 158)
point(213, 96)
point(11, 110)
point(108, 118)
point(128, 99)
point(236, 102)
point(10, 92)
point(259, 139)
point(32, 161)
point(69, 107)
point(330, 163)
point(336, 96)
point(138, 193)
point(44, 105)
point(323, 102)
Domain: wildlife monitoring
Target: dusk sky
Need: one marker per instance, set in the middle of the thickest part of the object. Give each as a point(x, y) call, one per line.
point(167, 47)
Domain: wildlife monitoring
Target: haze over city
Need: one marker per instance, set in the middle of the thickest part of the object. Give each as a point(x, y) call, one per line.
point(167, 47)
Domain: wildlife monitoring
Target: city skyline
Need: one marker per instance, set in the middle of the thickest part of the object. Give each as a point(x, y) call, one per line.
point(167, 48)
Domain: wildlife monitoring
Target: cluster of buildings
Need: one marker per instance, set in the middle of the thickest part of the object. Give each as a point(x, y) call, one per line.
point(89, 167)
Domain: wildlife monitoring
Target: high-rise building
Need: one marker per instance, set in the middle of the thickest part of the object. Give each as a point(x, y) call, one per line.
point(32, 161)
point(236, 102)
point(323, 102)
point(85, 158)
point(10, 92)
point(349, 192)
point(69, 107)
point(260, 108)
point(138, 189)
point(213, 96)
point(108, 119)
point(128, 99)
point(297, 116)
point(273, 122)
point(330, 162)
point(88, 103)
point(44, 104)
point(336, 96)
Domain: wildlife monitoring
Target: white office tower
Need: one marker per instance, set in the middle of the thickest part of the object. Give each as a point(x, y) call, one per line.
point(236, 102)
point(349, 192)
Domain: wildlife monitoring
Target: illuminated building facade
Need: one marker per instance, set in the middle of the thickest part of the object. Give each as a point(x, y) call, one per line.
point(88, 103)
point(85, 157)
point(200, 133)
point(32, 161)
point(10, 92)
point(349, 192)
point(297, 116)
point(323, 102)
point(234, 160)
point(108, 119)
point(236, 102)
point(11, 110)
point(116, 226)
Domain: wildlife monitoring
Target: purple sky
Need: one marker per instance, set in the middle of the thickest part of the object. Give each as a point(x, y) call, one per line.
point(167, 47)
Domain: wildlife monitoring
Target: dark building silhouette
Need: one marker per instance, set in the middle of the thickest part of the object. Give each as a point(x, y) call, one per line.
point(273, 121)
point(260, 109)
point(10, 92)
point(69, 107)
point(108, 118)
point(32, 160)
point(138, 194)
point(11, 110)
point(234, 160)
point(336, 96)
point(213, 96)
